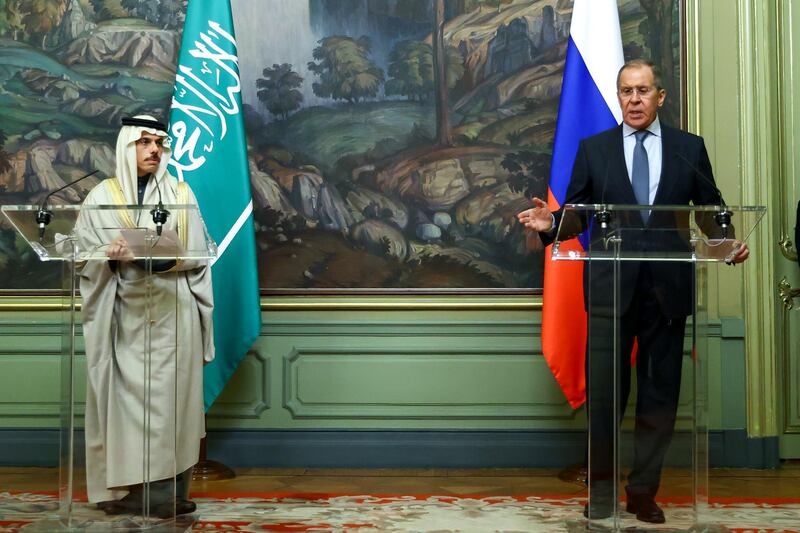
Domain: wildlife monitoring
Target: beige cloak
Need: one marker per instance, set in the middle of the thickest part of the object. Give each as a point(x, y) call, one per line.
point(114, 311)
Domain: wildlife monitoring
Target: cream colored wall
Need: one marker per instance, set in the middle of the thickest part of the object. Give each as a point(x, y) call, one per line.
point(713, 113)
point(744, 100)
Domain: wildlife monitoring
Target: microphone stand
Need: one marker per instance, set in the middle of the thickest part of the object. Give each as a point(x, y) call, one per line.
point(722, 218)
point(44, 215)
point(603, 216)
point(159, 214)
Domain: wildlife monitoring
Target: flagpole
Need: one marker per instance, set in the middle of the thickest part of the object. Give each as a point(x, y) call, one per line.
point(208, 470)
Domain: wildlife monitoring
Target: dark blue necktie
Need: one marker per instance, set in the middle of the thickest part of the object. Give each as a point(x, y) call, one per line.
point(641, 173)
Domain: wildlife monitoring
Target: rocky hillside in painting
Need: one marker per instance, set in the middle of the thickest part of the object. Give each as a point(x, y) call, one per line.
point(61, 108)
point(374, 173)
point(453, 205)
point(67, 76)
point(128, 43)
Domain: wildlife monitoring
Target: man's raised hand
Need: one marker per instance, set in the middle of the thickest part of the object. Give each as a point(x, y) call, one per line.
point(538, 218)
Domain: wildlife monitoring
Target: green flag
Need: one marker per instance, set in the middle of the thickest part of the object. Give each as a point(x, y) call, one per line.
point(209, 151)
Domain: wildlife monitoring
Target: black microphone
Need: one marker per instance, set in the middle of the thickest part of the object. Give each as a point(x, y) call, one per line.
point(722, 218)
point(44, 215)
point(159, 214)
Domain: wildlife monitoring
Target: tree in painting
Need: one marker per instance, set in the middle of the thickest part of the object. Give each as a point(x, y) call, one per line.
point(109, 9)
point(345, 70)
point(411, 70)
point(277, 90)
point(5, 162)
point(165, 13)
point(657, 30)
point(10, 18)
point(444, 133)
point(41, 16)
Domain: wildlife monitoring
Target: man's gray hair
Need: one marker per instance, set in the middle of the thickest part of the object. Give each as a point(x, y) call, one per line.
point(639, 63)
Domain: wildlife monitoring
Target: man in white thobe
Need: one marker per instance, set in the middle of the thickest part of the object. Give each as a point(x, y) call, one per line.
point(121, 453)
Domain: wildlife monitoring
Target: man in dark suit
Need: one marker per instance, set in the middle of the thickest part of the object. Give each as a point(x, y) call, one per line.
point(639, 162)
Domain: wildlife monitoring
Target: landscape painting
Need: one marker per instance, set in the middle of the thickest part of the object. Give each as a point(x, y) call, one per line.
point(391, 142)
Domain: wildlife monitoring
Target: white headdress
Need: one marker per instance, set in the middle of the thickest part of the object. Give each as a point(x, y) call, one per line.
point(127, 172)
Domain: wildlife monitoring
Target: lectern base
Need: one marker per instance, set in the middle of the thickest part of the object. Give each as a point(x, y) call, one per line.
point(607, 526)
point(709, 528)
point(180, 525)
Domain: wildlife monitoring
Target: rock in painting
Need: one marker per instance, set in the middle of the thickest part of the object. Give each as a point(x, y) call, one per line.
point(380, 238)
point(52, 87)
point(96, 108)
point(305, 194)
point(429, 232)
point(132, 43)
point(437, 185)
point(73, 25)
point(40, 176)
point(373, 204)
point(481, 204)
point(484, 171)
point(332, 211)
point(100, 156)
point(267, 193)
point(91, 155)
point(443, 220)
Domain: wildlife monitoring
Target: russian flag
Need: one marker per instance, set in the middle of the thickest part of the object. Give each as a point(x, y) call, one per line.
point(588, 105)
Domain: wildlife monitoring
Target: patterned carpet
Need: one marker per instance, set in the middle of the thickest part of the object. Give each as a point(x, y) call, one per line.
point(339, 513)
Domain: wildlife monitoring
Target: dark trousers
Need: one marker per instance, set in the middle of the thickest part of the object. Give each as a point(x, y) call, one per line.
point(161, 490)
point(658, 374)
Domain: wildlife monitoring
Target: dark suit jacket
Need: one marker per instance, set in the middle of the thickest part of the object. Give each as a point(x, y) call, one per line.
point(600, 175)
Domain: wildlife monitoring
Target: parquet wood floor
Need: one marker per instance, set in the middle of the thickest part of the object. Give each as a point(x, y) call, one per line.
point(746, 483)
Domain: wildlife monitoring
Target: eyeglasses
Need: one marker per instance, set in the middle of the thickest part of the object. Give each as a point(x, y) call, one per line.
point(643, 92)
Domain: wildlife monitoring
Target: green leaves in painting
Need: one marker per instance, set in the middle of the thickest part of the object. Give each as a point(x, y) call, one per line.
point(411, 70)
point(345, 70)
point(277, 90)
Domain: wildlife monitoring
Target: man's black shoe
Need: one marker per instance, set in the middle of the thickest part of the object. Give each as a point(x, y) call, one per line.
point(110, 507)
point(185, 506)
point(164, 510)
point(645, 508)
point(130, 504)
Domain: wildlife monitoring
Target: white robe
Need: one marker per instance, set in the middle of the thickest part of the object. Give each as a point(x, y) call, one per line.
point(114, 312)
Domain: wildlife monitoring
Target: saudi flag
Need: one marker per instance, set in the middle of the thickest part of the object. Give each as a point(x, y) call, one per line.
point(209, 151)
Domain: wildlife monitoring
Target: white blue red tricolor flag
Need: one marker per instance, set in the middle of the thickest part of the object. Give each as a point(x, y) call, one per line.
point(588, 105)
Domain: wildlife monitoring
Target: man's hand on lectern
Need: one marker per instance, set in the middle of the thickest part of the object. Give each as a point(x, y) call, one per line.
point(118, 250)
point(741, 253)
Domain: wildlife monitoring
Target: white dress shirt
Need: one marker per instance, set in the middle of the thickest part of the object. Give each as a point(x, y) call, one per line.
point(652, 144)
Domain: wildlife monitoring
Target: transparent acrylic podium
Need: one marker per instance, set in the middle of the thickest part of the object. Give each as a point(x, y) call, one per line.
point(132, 448)
point(633, 271)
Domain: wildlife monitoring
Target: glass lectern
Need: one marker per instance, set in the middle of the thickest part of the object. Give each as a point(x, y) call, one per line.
point(118, 438)
point(646, 273)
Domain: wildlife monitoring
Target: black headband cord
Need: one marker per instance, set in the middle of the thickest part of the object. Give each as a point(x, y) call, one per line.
point(144, 123)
